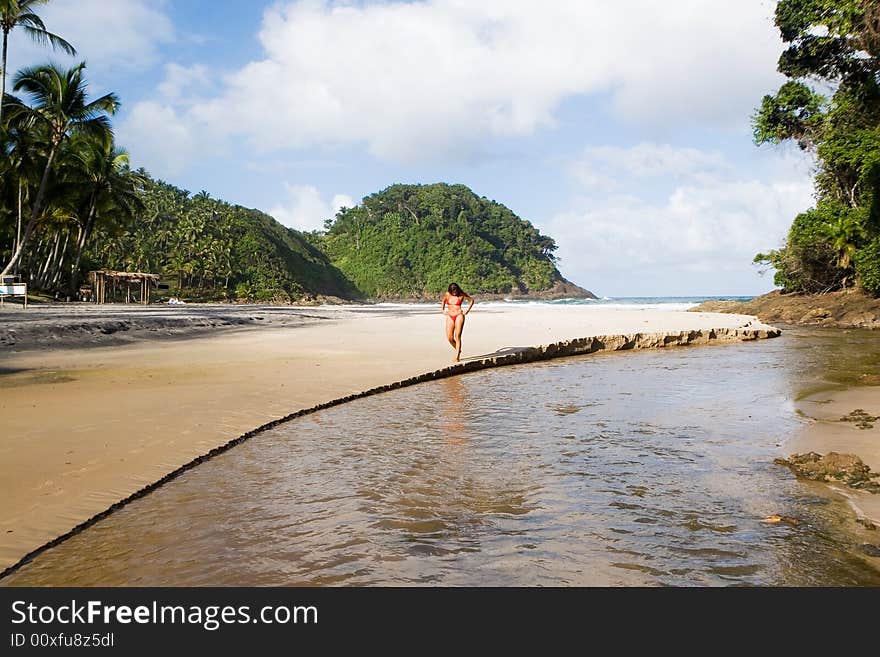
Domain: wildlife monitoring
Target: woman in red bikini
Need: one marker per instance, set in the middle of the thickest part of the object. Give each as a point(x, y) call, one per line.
point(455, 316)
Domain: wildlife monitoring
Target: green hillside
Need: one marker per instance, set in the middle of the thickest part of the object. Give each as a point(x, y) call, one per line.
point(211, 249)
point(413, 240)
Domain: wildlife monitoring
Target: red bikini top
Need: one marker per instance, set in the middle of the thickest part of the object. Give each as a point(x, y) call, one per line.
point(453, 301)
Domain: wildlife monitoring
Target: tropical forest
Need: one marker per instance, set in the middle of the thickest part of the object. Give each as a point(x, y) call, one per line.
point(829, 106)
point(70, 203)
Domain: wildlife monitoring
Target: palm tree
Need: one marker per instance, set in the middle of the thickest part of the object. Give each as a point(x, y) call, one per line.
point(101, 170)
point(20, 13)
point(845, 235)
point(61, 108)
point(22, 164)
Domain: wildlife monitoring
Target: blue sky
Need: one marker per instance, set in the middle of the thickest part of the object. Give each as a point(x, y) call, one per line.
point(620, 129)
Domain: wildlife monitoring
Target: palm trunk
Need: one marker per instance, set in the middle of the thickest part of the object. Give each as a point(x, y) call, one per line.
point(58, 268)
point(35, 262)
point(48, 257)
point(50, 260)
point(35, 211)
point(83, 238)
point(27, 262)
point(18, 224)
point(3, 74)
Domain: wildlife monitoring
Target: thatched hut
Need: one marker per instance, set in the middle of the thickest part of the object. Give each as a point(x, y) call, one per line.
point(122, 280)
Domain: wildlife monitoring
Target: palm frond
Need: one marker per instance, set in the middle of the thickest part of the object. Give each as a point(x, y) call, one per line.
point(97, 127)
point(108, 103)
point(45, 38)
point(31, 20)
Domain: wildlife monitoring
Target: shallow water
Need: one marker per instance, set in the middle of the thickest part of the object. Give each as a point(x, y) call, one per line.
point(640, 468)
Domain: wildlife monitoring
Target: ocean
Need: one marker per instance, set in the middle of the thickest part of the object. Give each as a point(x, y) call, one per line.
point(606, 303)
point(636, 303)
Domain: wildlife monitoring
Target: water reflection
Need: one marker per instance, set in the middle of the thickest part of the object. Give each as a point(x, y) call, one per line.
point(650, 468)
point(454, 407)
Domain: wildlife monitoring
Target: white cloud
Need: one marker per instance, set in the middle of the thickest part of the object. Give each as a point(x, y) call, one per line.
point(181, 83)
point(601, 166)
point(160, 133)
point(701, 235)
point(115, 36)
point(305, 209)
point(421, 81)
point(159, 140)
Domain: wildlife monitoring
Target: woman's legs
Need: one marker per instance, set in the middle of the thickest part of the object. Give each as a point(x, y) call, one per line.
point(459, 325)
point(450, 330)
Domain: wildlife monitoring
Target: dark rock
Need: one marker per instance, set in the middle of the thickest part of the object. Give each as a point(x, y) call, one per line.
point(861, 419)
point(845, 309)
point(870, 550)
point(833, 467)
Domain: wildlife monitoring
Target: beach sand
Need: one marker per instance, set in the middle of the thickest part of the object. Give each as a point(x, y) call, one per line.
point(829, 434)
point(85, 428)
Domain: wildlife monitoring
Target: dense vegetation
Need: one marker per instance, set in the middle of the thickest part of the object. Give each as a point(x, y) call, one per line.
point(212, 249)
point(836, 244)
point(413, 240)
point(70, 203)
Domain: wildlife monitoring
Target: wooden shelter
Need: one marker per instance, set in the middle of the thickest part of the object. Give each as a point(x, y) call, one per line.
point(116, 279)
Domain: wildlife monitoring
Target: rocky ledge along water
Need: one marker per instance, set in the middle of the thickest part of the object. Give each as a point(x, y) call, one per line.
point(593, 344)
point(846, 469)
point(845, 309)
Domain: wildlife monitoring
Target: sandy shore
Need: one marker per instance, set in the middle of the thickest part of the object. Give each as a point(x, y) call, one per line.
point(829, 434)
point(85, 428)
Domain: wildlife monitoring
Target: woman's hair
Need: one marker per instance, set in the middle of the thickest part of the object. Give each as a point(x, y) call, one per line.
point(454, 290)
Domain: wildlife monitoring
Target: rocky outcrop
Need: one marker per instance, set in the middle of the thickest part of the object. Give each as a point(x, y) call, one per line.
point(860, 419)
point(561, 289)
point(845, 309)
point(833, 467)
point(624, 342)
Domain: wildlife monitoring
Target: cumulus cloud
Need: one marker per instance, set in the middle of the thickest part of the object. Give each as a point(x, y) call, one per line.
point(117, 36)
point(183, 83)
point(160, 140)
point(305, 209)
point(422, 81)
point(701, 234)
point(602, 166)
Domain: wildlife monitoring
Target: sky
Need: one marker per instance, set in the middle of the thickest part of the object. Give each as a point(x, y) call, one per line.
point(622, 129)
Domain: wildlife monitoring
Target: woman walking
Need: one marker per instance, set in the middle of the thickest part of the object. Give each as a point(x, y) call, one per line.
point(455, 314)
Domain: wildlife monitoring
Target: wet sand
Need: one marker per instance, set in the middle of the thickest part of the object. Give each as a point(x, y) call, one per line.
point(829, 434)
point(85, 428)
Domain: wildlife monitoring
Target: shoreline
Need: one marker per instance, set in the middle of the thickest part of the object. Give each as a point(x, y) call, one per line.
point(828, 432)
point(103, 423)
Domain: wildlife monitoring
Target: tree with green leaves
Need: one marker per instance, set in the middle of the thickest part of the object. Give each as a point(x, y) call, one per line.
point(836, 42)
point(109, 188)
point(413, 240)
point(21, 14)
point(20, 169)
point(60, 108)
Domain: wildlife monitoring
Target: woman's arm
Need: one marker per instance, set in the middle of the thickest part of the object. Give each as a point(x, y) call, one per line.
point(470, 305)
point(443, 303)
